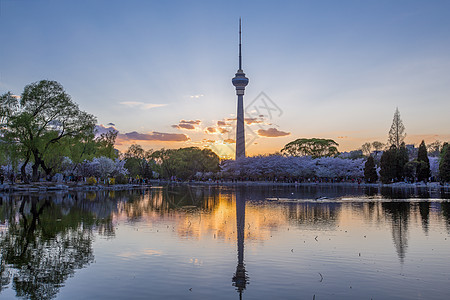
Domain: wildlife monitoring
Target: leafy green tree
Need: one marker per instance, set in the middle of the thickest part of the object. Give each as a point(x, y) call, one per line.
point(184, 163)
point(370, 172)
point(8, 106)
point(388, 165)
point(47, 119)
point(138, 161)
point(314, 147)
point(105, 144)
point(423, 171)
point(397, 132)
point(444, 167)
point(9, 152)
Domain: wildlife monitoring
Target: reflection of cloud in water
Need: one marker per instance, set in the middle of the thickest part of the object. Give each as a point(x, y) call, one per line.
point(144, 252)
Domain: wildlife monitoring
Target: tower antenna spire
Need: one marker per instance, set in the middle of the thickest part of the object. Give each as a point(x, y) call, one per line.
point(240, 54)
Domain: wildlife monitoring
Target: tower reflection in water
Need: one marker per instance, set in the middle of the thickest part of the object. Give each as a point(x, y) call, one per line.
point(240, 278)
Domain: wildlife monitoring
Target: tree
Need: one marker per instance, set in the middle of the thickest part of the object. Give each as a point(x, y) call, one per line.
point(105, 144)
point(444, 167)
point(47, 119)
point(410, 169)
point(397, 132)
point(388, 165)
point(185, 163)
point(370, 172)
point(423, 171)
point(138, 161)
point(314, 147)
point(8, 106)
point(401, 159)
point(10, 152)
point(434, 148)
point(377, 146)
point(366, 148)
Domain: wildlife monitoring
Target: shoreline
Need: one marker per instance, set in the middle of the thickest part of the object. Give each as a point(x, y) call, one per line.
point(433, 185)
point(44, 187)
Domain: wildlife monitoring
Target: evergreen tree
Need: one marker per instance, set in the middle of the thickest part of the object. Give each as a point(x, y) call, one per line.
point(388, 165)
point(444, 168)
point(401, 160)
point(423, 169)
point(397, 132)
point(370, 173)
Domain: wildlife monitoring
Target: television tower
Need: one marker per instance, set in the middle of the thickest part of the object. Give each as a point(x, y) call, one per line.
point(240, 82)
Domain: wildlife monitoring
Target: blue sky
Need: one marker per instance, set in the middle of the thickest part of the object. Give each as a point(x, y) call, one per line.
point(335, 69)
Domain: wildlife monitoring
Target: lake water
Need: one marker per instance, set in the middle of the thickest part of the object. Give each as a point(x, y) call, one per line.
point(205, 242)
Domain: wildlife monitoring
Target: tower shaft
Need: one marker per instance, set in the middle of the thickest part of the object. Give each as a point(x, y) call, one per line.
point(240, 132)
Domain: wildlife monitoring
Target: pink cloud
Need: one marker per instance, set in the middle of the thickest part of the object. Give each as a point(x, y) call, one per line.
point(187, 124)
point(210, 130)
point(272, 132)
point(153, 136)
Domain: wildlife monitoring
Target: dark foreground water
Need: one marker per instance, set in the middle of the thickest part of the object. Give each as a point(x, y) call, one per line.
point(227, 243)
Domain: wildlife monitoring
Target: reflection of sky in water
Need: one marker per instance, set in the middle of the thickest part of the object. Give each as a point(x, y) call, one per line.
point(183, 243)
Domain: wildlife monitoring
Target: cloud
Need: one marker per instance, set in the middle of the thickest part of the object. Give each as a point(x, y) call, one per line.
point(196, 96)
point(141, 105)
point(229, 141)
point(248, 121)
point(101, 129)
point(223, 130)
point(193, 122)
point(187, 124)
point(223, 123)
point(210, 130)
point(154, 136)
point(184, 126)
point(272, 132)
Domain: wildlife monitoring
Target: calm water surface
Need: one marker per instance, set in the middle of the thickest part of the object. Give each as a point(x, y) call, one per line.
point(203, 242)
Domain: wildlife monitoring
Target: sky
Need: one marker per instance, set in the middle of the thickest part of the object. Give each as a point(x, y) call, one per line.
point(160, 72)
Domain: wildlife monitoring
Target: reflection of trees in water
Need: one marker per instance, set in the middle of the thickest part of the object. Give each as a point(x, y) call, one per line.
point(371, 211)
point(45, 239)
point(313, 214)
point(444, 193)
point(389, 192)
point(176, 197)
point(424, 209)
point(399, 218)
point(302, 191)
point(445, 208)
point(371, 191)
point(397, 193)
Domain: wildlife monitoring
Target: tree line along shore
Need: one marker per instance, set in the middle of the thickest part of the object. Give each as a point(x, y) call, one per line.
point(46, 138)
